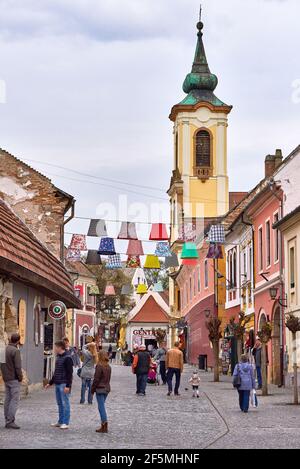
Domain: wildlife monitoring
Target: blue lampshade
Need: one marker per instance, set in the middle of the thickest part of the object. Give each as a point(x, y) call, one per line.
point(107, 247)
point(158, 287)
point(163, 249)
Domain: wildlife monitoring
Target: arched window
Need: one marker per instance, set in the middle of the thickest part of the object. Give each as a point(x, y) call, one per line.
point(203, 149)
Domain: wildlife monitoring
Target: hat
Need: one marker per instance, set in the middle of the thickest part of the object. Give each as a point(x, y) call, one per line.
point(142, 347)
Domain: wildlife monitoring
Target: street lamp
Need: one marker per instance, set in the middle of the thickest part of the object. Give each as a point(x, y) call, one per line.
point(273, 295)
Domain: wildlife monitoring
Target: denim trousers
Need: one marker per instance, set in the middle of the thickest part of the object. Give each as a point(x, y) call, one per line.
point(141, 383)
point(63, 403)
point(12, 397)
point(259, 376)
point(244, 400)
point(162, 369)
point(170, 375)
point(101, 398)
point(86, 385)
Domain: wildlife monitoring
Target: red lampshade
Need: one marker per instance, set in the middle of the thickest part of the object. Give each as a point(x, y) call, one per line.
point(159, 232)
point(135, 248)
point(190, 262)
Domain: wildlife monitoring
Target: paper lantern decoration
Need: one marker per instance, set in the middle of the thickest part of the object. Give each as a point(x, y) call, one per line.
point(73, 255)
point(94, 290)
point(97, 228)
point(152, 262)
point(172, 262)
point(189, 251)
point(107, 247)
point(216, 234)
point(159, 232)
point(93, 258)
point(114, 262)
point(78, 242)
point(126, 290)
point(127, 231)
point(110, 290)
point(135, 248)
point(133, 262)
point(189, 262)
point(142, 289)
point(215, 251)
point(158, 287)
point(163, 249)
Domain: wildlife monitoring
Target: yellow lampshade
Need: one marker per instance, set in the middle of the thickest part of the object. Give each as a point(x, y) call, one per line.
point(142, 289)
point(152, 262)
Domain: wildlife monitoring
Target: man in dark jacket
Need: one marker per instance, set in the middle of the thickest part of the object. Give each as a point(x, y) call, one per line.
point(12, 376)
point(140, 367)
point(62, 378)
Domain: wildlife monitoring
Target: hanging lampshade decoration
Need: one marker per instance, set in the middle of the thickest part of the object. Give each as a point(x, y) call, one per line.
point(73, 255)
point(152, 262)
point(133, 262)
point(135, 248)
point(127, 231)
point(142, 289)
point(114, 262)
point(110, 290)
point(215, 251)
point(190, 262)
point(159, 232)
point(78, 242)
point(126, 290)
point(163, 249)
point(172, 262)
point(94, 290)
point(97, 228)
point(107, 247)
point(93, 258)
point(189, 251)
point(158, 287)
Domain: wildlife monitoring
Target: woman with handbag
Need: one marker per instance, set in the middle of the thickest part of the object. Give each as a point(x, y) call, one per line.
point(244, 382)
point(87, 371)
point(101, 387)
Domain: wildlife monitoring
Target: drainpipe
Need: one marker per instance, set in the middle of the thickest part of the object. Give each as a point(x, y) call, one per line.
point(62, 232)
point(272, 185)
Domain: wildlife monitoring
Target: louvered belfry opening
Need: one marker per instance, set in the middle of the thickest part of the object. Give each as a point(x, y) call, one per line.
point(203, 149)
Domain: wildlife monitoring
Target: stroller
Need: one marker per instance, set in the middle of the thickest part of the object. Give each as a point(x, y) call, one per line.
point(152, 374)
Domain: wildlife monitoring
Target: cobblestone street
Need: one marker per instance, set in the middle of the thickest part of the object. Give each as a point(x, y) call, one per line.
point(213, 421)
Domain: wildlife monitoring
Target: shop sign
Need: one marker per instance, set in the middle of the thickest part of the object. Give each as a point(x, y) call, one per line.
point(57, 310)
point(22, 321)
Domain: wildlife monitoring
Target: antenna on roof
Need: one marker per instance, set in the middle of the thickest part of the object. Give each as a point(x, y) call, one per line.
point(200, 14)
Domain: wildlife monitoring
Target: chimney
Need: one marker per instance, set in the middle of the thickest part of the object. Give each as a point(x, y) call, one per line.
point(278, 158)
point(272, 162)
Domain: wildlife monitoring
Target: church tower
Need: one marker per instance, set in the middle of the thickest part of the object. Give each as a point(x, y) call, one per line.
point(199, 184)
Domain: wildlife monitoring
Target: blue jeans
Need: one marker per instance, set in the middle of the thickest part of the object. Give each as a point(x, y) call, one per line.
point(170, 374)
point(63, 402)
point(141, 383)
point(101, 398)
point(86, 384)
point(259, 376)
point(244, 399)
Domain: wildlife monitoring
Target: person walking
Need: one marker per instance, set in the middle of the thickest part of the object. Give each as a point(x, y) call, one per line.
point(174, 365)
point(101, 386)
point(160, 357)
point(246, 382)
point(62, 379)
point(87, 371)
point(195, 382)
point(12, 376)
point(256, 352)
point(141, 367)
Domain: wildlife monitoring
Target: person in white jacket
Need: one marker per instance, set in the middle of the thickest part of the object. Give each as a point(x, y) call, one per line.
point(195, 382)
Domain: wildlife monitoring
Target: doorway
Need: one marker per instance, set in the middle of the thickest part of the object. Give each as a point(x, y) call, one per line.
point(151, 344)
point(276, 358)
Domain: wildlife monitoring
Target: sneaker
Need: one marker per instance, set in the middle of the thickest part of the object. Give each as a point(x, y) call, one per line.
point(12, 426)
point(55, 425)
point(64, 427)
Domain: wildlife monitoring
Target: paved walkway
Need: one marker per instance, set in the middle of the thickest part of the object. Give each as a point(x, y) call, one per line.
point(213, 421)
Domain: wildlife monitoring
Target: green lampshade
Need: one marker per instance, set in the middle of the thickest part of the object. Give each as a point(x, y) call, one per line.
point(189, 251)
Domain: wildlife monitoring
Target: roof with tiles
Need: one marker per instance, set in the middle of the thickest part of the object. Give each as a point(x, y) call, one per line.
point(24, 258)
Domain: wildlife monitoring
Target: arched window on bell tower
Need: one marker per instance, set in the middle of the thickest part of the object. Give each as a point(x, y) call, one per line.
point(203, 154)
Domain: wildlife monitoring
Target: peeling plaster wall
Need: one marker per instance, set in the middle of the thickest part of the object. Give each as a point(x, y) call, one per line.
point(34, 199)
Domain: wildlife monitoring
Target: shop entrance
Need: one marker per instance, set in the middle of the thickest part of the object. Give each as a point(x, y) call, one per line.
point(150, 344)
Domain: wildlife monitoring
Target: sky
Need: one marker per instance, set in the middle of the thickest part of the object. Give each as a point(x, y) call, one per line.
point(88, 85)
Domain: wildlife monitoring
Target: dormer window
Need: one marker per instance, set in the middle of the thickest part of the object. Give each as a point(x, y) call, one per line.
point(203, 154)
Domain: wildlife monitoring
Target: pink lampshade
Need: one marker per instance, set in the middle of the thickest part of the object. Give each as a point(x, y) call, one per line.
point(135, 248)
point(110, 290)
point(190, 262)
point(159, 232)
